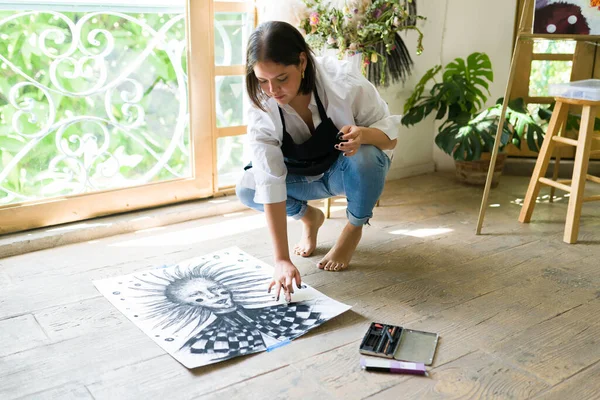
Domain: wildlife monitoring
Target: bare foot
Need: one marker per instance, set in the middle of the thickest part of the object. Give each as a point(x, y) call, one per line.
point(340, 255)
point(312, 221)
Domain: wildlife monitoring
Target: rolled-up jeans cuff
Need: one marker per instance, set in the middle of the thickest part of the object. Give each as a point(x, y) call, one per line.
point(300, 213)
point(357, 221)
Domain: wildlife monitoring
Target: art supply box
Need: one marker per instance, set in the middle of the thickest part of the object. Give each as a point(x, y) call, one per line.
point(396, 342)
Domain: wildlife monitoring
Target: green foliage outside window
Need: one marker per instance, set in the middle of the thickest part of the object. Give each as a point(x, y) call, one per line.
point(108, 156)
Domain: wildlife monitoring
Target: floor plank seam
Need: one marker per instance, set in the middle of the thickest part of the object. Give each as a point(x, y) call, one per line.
point(559, 314)
point(520, 245)
point(581, 331)
point(15, 316)
point(552, 387)
point(517, 367)
point(41, 326)
point(89, 392)
point(507, 338)
point(52, 343)
point(38, 310)
point(462, 303)
point(30, 395)
point(243, 380)
point(120, 367)
point(331, 349)
point(393, 385)
point(486, 319)
point(429, 377)
point(468, 353)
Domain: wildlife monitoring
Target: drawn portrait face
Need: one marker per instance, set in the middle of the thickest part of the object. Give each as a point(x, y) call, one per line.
point(204, 293)
point(184, 297)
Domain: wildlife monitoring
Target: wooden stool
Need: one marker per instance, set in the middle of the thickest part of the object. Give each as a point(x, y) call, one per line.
point(328, 207)
point(577, 184)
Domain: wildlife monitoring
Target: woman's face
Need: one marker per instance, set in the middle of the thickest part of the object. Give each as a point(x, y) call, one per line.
point(206, 293)
point(279, 81)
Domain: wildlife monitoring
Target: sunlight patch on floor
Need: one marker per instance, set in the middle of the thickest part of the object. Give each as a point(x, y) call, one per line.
point(199, 233)
point(75, 227)
point(423, 232)
point(154, 229)
point(234, 214)
point(218, 201)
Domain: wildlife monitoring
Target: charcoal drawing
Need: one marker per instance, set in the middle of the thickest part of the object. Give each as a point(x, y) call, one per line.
point(215, 307)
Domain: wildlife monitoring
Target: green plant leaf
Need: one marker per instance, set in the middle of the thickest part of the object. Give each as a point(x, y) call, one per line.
point(531, 142)
point(419, 112)
point(446, 140)
point(420, 87)
point(477, 74)
point(441, 112)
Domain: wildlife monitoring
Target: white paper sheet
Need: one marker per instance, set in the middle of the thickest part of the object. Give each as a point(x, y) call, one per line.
point(212, 308)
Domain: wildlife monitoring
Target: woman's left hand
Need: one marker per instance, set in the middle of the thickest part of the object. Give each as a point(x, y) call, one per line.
point(353, 136)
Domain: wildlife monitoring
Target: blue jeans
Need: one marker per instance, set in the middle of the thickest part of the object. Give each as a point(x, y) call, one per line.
point(360, 178)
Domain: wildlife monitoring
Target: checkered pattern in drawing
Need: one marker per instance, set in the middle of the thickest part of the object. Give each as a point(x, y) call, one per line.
point(226, 339)
point(284, 322)
point(240, 332)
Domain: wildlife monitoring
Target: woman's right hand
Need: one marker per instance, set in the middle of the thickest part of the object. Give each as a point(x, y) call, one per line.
point(285, 272)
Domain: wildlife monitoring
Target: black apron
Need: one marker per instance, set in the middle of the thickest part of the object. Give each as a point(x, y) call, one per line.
point(317, 154)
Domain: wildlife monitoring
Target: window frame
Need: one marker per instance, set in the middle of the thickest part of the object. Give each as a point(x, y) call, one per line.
point(203, 132)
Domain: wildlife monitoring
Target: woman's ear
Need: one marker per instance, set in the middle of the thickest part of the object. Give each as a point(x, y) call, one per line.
point(302, 61)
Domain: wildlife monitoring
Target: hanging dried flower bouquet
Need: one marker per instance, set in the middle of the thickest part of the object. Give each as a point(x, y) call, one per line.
point(367, 29)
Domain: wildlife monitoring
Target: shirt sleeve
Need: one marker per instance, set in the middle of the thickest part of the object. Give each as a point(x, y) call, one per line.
point(268, 167)
point(369, 108)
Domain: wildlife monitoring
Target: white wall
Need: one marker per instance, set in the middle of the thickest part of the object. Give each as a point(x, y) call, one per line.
point(454, 28)
point(414, 153)
point(477, 25)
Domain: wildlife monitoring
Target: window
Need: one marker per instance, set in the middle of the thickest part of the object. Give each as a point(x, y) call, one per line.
point(106, 106)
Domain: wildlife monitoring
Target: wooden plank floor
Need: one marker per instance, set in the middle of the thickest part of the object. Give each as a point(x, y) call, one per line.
point(517, 309)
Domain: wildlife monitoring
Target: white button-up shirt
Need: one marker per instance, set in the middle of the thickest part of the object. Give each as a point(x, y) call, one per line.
point(348, 98)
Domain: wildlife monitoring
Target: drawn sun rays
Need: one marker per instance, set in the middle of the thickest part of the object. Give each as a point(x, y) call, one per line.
point(189, 296)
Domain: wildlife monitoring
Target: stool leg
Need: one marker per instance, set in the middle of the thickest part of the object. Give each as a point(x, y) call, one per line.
point(555, 175)
point(327, 207)
point(541, 165)
point(582, 158)
point(557, 158)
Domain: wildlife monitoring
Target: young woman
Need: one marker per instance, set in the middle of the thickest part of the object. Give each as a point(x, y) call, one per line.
point(316, 129)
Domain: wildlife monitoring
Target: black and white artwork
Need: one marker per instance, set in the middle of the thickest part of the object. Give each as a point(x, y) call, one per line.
point(212, 308)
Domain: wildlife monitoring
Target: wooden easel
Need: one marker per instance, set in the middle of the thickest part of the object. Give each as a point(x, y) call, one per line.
point(525, 32)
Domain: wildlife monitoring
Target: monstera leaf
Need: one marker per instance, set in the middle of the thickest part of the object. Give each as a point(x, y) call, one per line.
point(520, 124)
point(573, 120)
point(459, 95)
point(420, 88)
point(466, 139)
point(477, 73)
point(468, 129)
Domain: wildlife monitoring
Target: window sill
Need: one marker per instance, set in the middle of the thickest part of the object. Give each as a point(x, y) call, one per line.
point(60, 235)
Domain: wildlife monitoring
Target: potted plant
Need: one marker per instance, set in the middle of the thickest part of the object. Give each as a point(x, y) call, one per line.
point(468, 130)
point(366, 29)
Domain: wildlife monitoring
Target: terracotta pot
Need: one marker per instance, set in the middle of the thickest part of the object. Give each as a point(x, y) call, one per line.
point(475, 172)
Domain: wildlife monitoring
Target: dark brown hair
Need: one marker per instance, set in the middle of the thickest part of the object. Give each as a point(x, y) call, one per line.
point(281, 43)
